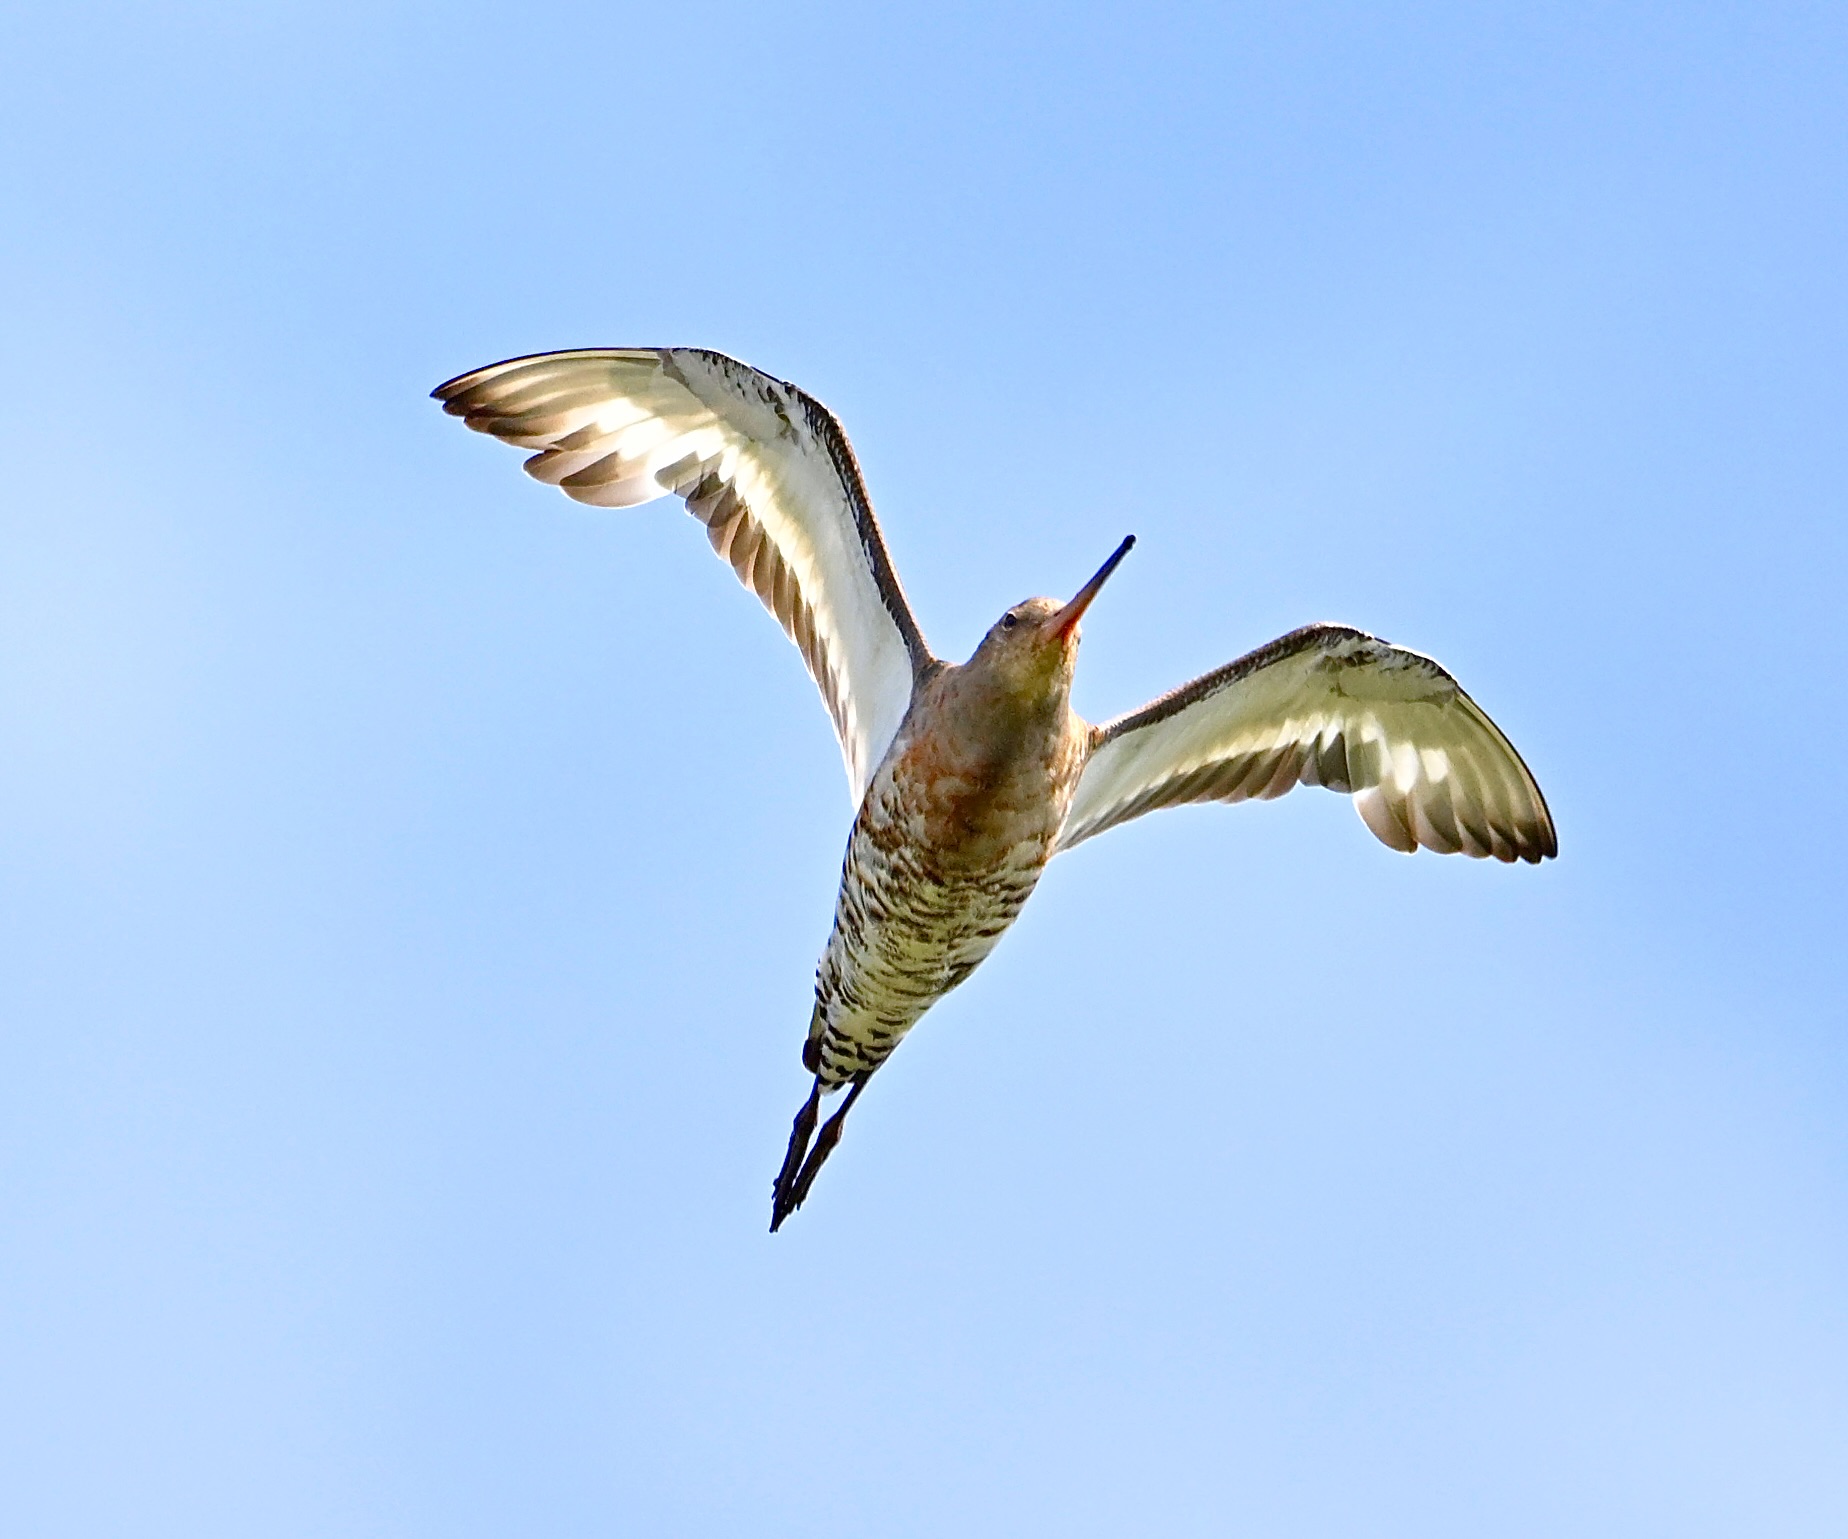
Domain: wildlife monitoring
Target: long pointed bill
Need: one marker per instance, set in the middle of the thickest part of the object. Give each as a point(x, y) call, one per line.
point(1062, 623)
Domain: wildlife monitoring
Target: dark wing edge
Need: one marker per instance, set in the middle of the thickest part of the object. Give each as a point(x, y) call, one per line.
point(827, 427)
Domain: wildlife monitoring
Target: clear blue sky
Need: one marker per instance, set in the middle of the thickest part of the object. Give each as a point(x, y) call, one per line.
point(410, 883)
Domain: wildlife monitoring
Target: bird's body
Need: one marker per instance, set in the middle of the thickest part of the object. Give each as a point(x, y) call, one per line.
point(969, 777)
point(952, 835)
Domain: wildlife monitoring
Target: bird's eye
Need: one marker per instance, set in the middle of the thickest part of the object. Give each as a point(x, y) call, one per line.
point(1008, 622)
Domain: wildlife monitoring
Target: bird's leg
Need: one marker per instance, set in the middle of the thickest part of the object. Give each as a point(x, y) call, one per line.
point(824, 1144)
point(799, 1136)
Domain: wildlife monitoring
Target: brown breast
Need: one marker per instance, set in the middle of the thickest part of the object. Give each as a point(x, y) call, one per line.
point(978, 783)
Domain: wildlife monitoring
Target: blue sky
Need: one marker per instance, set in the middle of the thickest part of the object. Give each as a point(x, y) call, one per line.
point(410, 883)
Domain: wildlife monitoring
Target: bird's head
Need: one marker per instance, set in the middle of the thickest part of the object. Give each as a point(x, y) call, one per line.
point(1031, 649)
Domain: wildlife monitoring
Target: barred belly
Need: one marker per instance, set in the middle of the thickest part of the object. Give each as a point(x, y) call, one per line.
point(911, 923)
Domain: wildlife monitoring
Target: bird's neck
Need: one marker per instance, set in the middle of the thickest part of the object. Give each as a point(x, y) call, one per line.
point(991, 719)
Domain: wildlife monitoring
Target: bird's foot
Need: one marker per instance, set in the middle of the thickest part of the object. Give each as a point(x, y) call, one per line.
point(829, 1136)
point(782, 1204)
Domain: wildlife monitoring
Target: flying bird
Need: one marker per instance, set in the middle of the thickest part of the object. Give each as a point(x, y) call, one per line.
point(969, 777)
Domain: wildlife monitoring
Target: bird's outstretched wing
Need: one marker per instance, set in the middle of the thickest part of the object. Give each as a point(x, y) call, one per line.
point(1325, 706)
point(763, 465)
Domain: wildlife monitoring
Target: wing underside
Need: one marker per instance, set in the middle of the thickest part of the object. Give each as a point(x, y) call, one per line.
point(1333, 707)
point(768, 472)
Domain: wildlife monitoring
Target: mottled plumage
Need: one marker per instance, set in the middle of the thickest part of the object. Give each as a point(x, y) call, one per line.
point(968, 778)
point(951, 837)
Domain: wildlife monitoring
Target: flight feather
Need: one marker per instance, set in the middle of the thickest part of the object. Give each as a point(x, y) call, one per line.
point(768, 471)
point(1331, 706)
